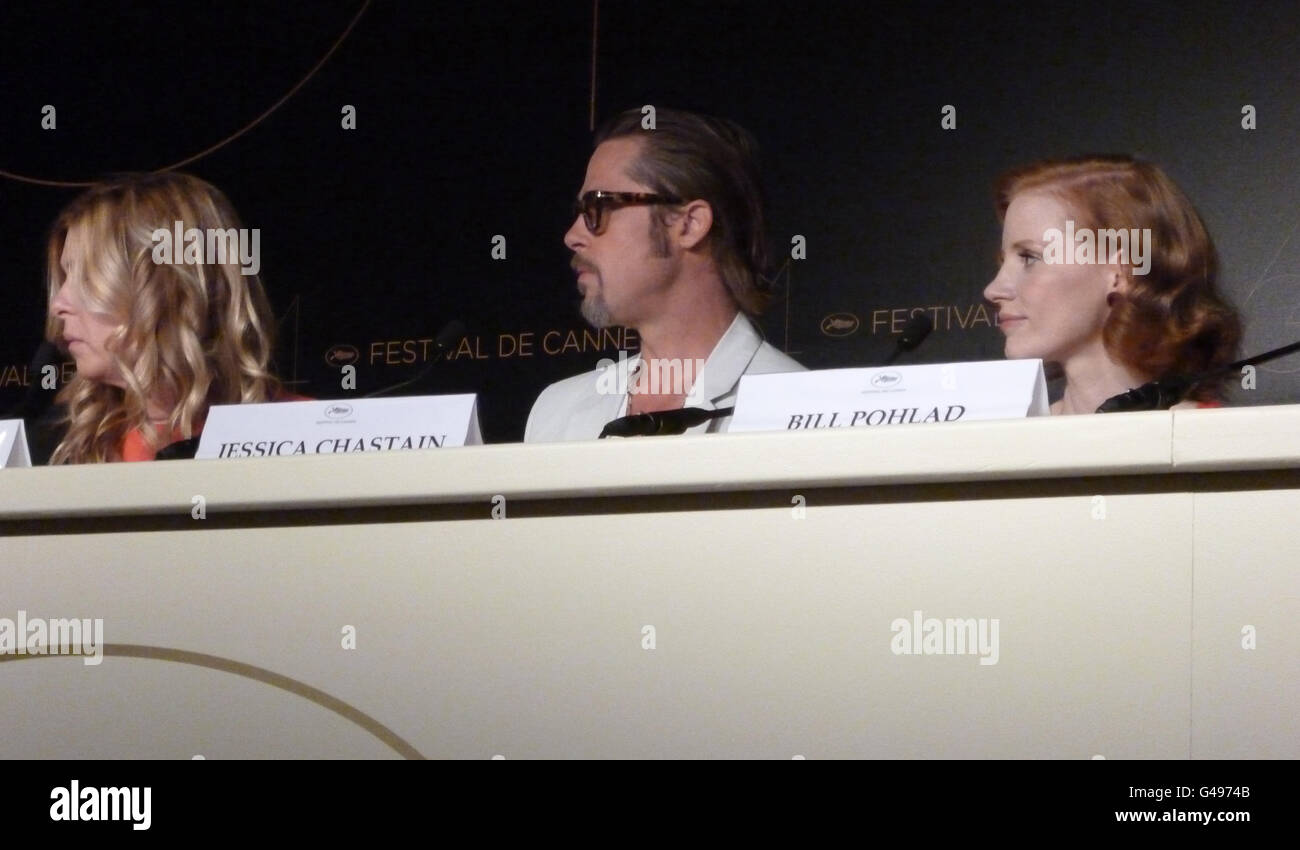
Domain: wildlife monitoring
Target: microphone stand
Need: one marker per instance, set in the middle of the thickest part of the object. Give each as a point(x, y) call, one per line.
point(1164, 393)
point(662, 423)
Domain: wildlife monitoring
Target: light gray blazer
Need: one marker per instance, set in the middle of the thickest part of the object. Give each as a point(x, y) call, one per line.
point(578, 408)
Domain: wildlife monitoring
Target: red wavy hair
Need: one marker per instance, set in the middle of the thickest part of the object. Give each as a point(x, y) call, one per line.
point(1173, 320)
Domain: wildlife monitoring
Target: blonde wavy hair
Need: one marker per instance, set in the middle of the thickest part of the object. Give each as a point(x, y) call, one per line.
point(199, 333)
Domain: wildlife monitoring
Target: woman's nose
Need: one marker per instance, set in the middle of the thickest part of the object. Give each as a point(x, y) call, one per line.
point(61, 303)
point(999, 288)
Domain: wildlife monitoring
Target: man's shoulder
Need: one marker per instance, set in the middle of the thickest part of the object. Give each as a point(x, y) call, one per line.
point(571, 388)
point(570, 407)
point(769, 358)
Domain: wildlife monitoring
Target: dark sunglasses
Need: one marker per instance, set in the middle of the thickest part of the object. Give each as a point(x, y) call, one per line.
point(592, 205)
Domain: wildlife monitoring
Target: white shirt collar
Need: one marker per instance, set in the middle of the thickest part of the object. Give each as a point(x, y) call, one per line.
point(730, 357)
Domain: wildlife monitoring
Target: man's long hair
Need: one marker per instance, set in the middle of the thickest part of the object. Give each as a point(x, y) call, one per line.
point(699, 157)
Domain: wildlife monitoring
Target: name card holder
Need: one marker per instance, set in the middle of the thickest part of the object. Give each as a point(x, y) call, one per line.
point(280, 429)
point(13, 444)
point(890, 395)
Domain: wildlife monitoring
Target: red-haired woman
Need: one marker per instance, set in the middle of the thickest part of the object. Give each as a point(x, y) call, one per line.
point(1113, 312)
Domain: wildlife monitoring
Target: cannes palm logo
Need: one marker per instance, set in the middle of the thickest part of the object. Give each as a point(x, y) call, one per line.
point(195, 247)
point(1085, 246)
point(342, 355)
point(839, 324)
point(25, 635)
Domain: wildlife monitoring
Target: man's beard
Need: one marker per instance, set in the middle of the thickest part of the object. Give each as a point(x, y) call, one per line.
point(596, 311)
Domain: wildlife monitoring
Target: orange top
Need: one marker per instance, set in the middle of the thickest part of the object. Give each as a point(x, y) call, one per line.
point(135, 447)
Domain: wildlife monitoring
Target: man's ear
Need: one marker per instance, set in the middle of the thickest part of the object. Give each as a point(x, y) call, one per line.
point(693, 225)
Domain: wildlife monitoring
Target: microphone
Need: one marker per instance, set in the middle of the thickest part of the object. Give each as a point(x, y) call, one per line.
point(450, 335)
point(36, 401)
point(663, 422)
point(1164, 393)
point(668, 422)
point(918, 327)
point(179, 450)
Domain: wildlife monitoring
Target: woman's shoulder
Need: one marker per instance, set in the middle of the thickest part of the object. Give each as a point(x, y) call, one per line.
point(134, 447)
point(285, 395)
point(1196, 405)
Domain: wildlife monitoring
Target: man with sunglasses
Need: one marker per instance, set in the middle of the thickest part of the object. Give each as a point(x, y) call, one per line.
point(667, 239)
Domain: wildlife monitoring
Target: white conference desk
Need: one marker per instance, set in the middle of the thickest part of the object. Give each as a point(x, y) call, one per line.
point(1121, 555)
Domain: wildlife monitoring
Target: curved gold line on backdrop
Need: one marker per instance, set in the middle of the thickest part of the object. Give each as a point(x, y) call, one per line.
point(258, 120)
point(257, 674)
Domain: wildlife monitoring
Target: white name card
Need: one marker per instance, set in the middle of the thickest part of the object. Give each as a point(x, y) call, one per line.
point(890, 395)
point(358, 426)
point(13, 444)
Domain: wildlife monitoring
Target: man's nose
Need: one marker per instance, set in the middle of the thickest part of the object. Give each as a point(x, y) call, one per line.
point(577, 234)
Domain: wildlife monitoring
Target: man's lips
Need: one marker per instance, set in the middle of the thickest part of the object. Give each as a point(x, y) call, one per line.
point(1003, 321)
point(584, 271)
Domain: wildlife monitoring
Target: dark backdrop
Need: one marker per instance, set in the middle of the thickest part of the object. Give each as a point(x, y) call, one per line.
point(473, 121)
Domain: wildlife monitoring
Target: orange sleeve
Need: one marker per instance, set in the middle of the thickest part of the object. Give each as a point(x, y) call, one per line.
point(134, 447)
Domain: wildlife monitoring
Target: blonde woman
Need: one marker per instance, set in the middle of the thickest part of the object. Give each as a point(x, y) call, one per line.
point(155, 342)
